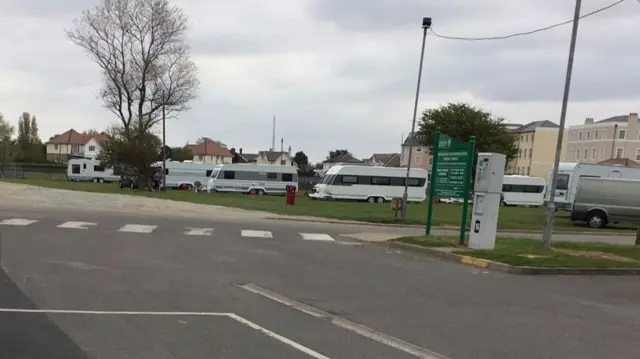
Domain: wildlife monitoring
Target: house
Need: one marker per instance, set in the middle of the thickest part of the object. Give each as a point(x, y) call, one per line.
point(275, 158)
point(420, 153)
point(74, 144)
point(240, 157)
point(341, 160)
point(536, 143)
point(383, 160)
point(614, 137)
point(210, 152)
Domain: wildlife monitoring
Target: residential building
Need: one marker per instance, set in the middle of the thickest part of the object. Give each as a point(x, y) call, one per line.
point(383, 160)
point(536, 149)
point(240, 157)
point(74, 144)
point(210, 152)
point(614, 137)
point(275, 158)
point(341, 160)
point(420, 153)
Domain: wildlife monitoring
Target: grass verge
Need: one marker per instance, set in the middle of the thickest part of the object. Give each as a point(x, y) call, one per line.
point(529, 252)
point(444, 215)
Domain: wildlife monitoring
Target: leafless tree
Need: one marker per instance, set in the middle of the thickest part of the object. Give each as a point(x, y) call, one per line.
point(140, 48)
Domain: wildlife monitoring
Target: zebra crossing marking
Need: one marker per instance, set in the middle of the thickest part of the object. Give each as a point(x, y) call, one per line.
point(17, 222)
point(198, 231)
point(76, 225)
point(256, 234)
point(317, 237)
point(137, 228)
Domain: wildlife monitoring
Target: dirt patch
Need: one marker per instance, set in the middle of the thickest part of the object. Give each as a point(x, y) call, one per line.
point(595, 254)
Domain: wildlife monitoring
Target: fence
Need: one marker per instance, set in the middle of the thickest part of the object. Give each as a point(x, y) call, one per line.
point(33, 171)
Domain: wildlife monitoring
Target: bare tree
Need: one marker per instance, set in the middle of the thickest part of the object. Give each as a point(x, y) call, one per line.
point(140, 48)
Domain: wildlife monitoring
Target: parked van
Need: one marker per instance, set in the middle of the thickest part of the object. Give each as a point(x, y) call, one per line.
point(372, 184)
point(185, 174)
point(600, 201)
point(244, 178)
point(523, 190)
point(86, 169)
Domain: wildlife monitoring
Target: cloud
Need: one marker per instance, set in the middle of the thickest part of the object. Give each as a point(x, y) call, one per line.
point(339, 74)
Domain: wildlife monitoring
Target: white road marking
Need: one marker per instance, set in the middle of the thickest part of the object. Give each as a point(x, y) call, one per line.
point(17, 222)
point(77, 225)
point(317, 237)
point(256, 234)
point(312, 353)
point(137, 228)
point(372, 334)
point(198, 231)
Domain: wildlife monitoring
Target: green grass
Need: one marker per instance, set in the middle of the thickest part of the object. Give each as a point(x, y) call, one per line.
point(511, 218)
point(529, 252)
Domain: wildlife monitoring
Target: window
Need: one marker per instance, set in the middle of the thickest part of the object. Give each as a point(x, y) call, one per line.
point(602, 153)
point(166, 171)
point(619, 152)
point(522, 188)
point(528, 170)
point(586, 154)
point(287, 177)
point(573, 136)
point(92, 148)
point(55, 147)
point(430, 160)
point(98, 169)
point(638, 154)
point(208, 173)
point(75, 168)
point(596, 135)
point(380, 181)
point(577, 155)
point(588, 135)
point(604, 134)
point(229, 175)
point(563, 181)
point(530, 152)
point(622, 134)
point(413, 182)
point(349, 179)
point(580, 136)
point(418, 149)
point(594, 154)
point(418, 160)
point(84, 166)
point(272, 176)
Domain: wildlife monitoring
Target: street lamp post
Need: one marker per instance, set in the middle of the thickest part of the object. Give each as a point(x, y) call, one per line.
point(551, 206)
point(164, 145)
point(426, 24)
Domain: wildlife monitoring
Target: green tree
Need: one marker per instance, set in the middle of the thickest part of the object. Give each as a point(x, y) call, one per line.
point(6, 144)
point(461, 121)
point(181, 154)
point(301, 159)
point(28, 141)
point(336, 153)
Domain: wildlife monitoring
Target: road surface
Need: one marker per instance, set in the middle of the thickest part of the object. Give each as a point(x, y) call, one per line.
point(91, 285)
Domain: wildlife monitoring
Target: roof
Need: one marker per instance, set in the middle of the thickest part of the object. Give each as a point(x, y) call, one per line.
point(209, 148)
point(250, 157)
point(412, 140)
point(74, 137)
point(271, 155)
point(621, 118)
point(387, 159)
point(344, 158)
point(531, 126)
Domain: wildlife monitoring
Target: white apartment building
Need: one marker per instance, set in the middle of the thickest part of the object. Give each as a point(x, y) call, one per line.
point(614, 137)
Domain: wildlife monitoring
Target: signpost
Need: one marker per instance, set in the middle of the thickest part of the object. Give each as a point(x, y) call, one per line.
point(450, 174)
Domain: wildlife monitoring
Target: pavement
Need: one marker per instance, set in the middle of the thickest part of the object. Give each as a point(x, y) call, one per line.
point(129, 286)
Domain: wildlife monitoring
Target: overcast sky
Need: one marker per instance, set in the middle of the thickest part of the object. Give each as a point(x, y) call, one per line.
point(338, 73)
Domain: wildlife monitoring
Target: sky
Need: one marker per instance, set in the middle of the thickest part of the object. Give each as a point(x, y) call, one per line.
point(337, 73)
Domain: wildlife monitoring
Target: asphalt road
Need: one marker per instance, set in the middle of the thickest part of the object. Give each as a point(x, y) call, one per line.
point(102, 293)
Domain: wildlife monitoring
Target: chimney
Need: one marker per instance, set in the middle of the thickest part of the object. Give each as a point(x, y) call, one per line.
point(289, 150)
point(633, 115)
point(241, 152)
point(588, 121)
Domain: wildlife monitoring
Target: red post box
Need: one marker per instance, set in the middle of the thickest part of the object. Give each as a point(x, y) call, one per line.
point(291, 195)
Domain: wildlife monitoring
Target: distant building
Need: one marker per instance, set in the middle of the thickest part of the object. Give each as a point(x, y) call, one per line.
point(72, 144)
point(614, 137)
point(536, 149)
point(210, 152)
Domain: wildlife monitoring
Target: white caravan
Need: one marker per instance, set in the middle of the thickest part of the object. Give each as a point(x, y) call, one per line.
point(372, 184)
point(523, 190)
point(570, 173)
point(85, 169)
point(185, 174)
point(244, 178)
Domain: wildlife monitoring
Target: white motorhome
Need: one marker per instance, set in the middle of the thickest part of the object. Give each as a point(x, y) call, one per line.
point(570, 173)
point(372, 184)
point(86, 169)
point(244, 178)
point(185, 174)
point(523, 190)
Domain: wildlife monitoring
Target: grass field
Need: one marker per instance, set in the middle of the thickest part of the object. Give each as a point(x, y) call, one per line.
point(529, 252)
point(514, 218)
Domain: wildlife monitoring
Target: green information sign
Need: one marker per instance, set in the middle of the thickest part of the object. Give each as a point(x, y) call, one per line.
point(450, 174)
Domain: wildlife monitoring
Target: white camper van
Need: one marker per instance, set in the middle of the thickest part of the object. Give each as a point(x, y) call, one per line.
point(372, 184)
point(185, 174)
point(570, 173)
point(523, 190)
point(244, 178)
point(85, 169)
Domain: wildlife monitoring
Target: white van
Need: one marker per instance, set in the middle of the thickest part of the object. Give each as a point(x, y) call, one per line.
point(569, 176)
point(86, 169)
point(244, 178)
point(185, 174)
point(372, 184)
point(523, 190)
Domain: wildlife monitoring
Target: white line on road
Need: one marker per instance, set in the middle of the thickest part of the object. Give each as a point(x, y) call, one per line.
point(280, 338)
point(256, 234)
point(317, 237)
point(198, 231)
point(77, 225)
point(17, 222)
point(346, 324)
point(137, 228)
point(233, 316)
